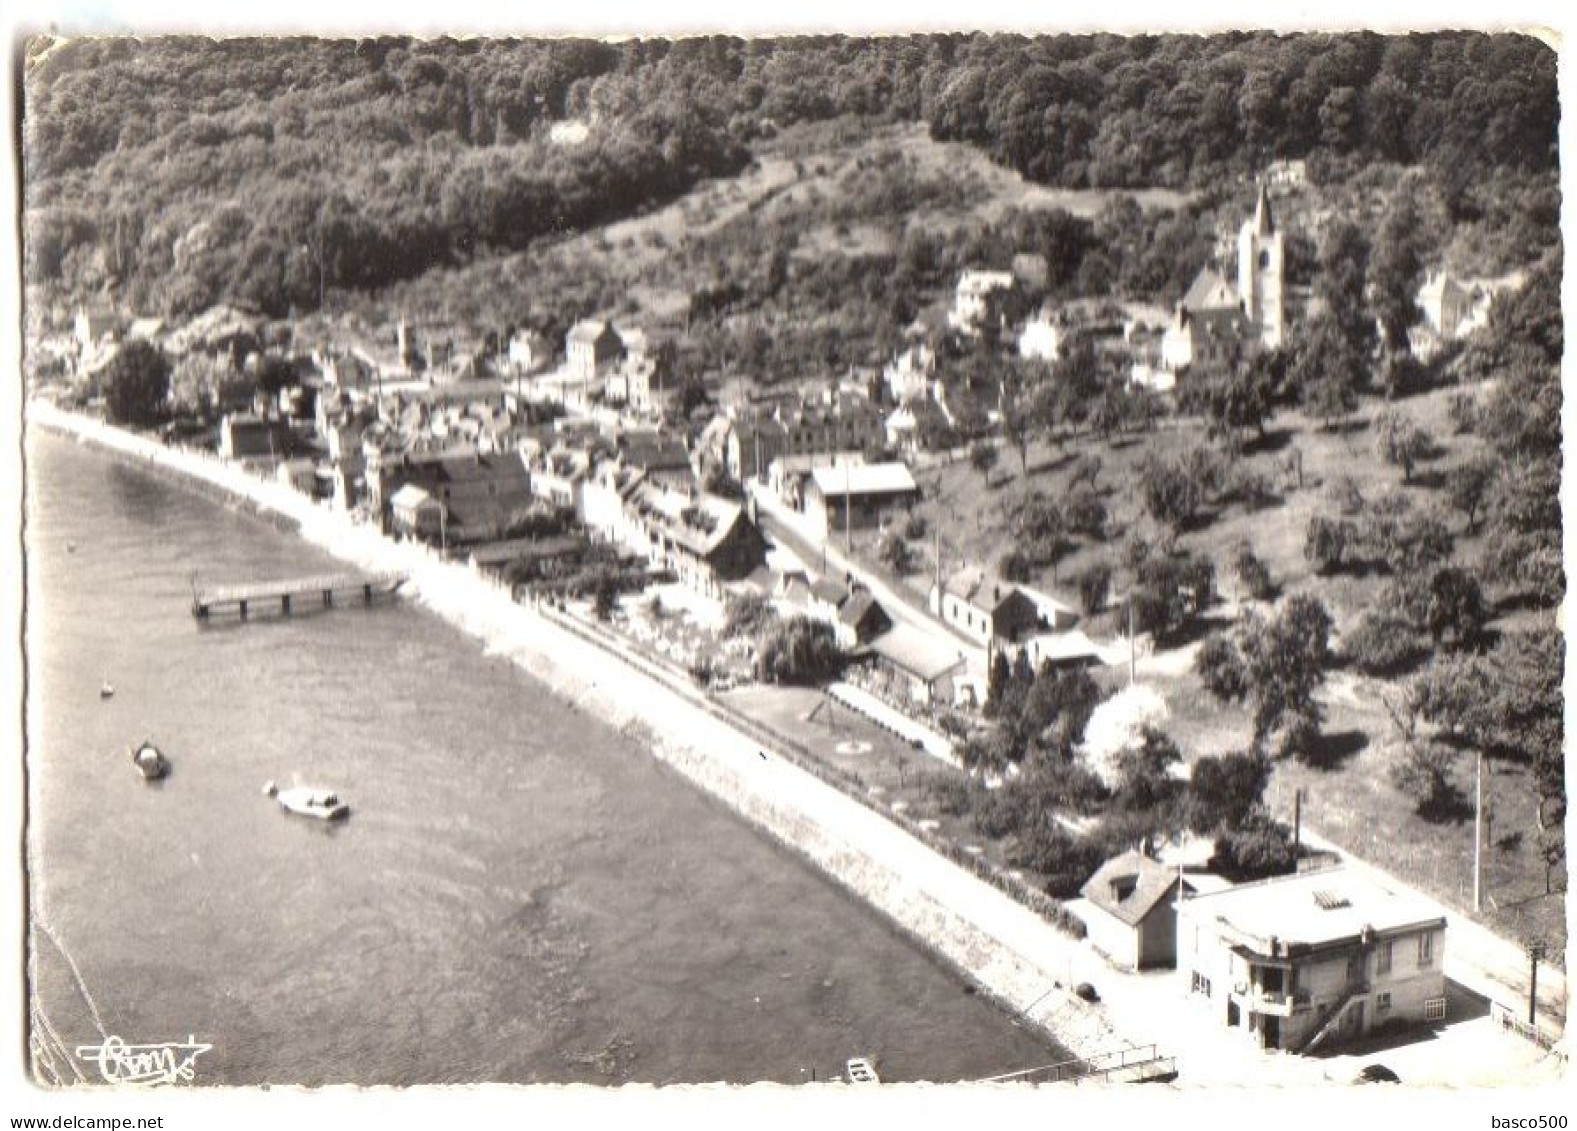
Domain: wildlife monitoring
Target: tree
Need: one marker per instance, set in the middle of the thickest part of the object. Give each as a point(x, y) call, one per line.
point(746, 614)
point(1401, 442)
point(1171, 490)
point(1258, 848)
point(1396, 270)
point(798, 650)
point(1328, 543)
point(894, 552)
point(1238, 399)
point(604, 597)
point(1144, 771)
point(1168, 589)
point(1220, 667)
point(1328, 370)
point(1094, 583)
point(1468, 487)
point(1224, 789)
point(983, 456)
point(1453, 606)
point(1383, 643)
point(1286, 659)
point(1252, 573)
point(137, 384)
point(1423, 773)
point(997, 681)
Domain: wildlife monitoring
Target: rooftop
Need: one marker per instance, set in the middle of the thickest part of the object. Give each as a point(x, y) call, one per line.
point(916, 652)
point(1129, 886)
point(1209, 291)
point(864, 479)
point(1313, 909)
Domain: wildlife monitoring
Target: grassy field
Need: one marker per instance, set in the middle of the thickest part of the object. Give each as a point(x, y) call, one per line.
point(643, 268)
point(1348, 794)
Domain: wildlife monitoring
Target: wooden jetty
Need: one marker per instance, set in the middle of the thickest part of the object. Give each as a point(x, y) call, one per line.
point(285, 594)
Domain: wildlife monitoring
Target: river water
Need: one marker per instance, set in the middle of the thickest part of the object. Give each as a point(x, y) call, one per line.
point(521, 894)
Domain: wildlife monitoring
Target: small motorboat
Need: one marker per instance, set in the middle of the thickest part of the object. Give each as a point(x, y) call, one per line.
point(150, 762)
point(106, 691)
point(309, 801)
point(860, 1070)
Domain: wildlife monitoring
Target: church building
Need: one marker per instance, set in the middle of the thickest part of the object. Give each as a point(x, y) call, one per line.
point(1216, 321)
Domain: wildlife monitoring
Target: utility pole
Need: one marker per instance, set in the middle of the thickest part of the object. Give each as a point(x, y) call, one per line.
point(1297, 822)
point(1133, 647)
point(1478, 837)
point(1535, 952)
point(848, 511)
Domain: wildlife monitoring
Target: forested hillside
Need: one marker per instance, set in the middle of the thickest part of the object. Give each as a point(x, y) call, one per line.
point(187, 171)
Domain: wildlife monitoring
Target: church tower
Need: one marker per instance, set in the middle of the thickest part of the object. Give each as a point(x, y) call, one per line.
point(1261, 273)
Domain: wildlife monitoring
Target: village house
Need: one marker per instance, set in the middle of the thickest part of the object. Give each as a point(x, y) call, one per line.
point(530, 559)
point(1130, 909)
point(414, 513)
point(1313, 959)
point(1041, 338)
point(299, 474)
point(853, 613)
point(245, 436)
point(858, 495)
point(558, 476)
point(830, 423)
point(997, 614)
point(661, 459)
point(916, 665)
point(980, 299)
point(95, 325)
point(915, 427)
point(480, 495)
point(1287, 174)
point(593, 349)
point(529, 352)
point(787, 475)
point(703, 540)
point(1216, 323)
point(909, 376)
point(750, 446)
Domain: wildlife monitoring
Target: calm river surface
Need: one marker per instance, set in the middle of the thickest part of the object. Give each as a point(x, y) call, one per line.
point(521, 893)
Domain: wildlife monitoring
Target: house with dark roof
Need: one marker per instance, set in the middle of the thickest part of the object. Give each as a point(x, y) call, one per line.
point(1131, 909)
point(480, 495)
point(704, 540)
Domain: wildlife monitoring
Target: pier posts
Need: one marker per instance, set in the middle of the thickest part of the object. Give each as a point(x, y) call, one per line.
point(243, 608)
point(328, 598)
point(284, 603)
point(366, 592)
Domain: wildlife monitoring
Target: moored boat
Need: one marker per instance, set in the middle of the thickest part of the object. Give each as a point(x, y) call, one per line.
point(309, 801)
point(106, 691)
point(150, 761)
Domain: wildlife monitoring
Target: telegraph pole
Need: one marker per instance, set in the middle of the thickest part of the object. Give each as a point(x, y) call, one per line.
point(1133, 648)
point(848, 512)
point(1478, 839)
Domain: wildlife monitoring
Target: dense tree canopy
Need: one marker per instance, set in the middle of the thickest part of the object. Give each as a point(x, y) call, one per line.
point(188, 170)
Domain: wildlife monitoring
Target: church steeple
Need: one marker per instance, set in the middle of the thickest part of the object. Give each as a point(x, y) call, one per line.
point(1261, 266)
point(1264, 222)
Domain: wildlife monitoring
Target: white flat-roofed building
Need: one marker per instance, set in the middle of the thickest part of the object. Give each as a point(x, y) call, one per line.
point(858, 494)
point(1313, 959)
